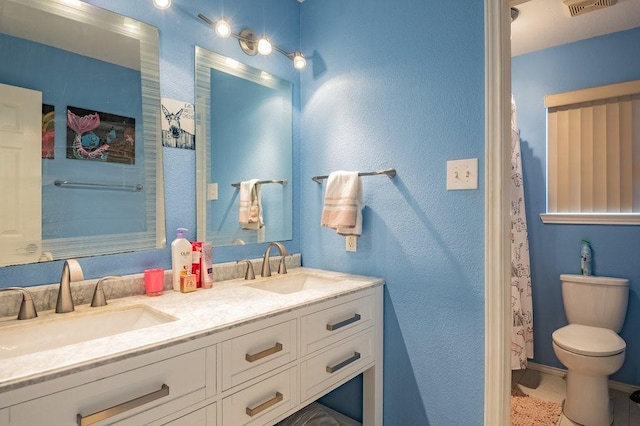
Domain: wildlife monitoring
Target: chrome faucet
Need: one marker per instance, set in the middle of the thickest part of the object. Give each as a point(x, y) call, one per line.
point(65, 301)
point(27, 308)
point(99, 298)
point(282, 268)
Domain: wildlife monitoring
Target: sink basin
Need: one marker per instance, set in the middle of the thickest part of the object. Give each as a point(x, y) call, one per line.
point(60, 330)
point(294, 283)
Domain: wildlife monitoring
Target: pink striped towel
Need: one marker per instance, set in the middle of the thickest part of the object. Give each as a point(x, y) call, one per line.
point(343, 201)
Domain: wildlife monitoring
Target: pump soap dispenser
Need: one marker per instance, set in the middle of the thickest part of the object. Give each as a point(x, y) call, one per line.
point(181, 258)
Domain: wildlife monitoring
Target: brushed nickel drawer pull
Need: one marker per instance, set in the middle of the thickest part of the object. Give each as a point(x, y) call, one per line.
point(354, 358)
point(270, 403)
point(265, 353)
point(332, 327)
point(121, 408)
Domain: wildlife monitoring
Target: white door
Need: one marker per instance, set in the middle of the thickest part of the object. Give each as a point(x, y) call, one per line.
point(20, 175)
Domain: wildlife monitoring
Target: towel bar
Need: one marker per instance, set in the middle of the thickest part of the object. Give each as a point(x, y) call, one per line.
point(391, 173)
point(137, 187)
point(283, 182)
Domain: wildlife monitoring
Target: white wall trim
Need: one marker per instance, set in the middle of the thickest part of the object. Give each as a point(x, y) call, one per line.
point(497, 377)
point(591, 218)
point(619, 386)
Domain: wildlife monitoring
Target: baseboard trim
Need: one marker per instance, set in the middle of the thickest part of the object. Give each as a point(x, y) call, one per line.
point(560, 372)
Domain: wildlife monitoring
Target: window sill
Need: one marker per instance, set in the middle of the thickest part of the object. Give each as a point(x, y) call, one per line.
point(591, 218)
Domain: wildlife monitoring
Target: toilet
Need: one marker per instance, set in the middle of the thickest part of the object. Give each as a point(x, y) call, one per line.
point(590, 346)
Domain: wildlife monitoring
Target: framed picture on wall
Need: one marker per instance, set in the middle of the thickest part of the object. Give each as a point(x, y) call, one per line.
point(48, 131)
point(178, 126)
point(100, 136)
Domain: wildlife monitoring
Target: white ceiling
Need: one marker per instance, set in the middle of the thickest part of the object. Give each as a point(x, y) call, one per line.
point(543, 23)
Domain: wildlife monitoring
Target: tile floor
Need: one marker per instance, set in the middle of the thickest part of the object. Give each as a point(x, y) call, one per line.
point(550, 387)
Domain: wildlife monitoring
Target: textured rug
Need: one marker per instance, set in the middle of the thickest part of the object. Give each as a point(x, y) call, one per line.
point(530, 411)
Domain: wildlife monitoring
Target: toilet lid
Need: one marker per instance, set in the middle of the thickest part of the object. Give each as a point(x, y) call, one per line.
point(589, 341)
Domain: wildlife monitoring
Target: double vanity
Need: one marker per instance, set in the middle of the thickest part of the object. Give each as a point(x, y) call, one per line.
point(246, 352)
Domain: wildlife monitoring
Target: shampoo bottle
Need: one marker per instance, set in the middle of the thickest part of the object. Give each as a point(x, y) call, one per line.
point(181, 258)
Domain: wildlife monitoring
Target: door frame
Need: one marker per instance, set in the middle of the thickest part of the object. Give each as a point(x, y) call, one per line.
point(497, 377)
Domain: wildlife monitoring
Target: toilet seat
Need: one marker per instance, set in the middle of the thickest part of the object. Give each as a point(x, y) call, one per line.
point(589, 341)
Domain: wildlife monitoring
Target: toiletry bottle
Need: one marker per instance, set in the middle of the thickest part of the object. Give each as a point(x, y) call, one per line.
point(181, 258)
point(206, 266)
point(585, 258)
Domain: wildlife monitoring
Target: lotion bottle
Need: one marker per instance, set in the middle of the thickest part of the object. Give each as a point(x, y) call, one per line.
point(181, 258)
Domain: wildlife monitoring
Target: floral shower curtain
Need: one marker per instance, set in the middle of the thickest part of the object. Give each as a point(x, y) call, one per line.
point(521, 303)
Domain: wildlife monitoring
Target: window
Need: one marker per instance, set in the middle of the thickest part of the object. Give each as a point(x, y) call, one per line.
point(593, 155)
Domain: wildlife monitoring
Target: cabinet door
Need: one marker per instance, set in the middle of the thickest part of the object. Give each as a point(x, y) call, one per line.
point(148, 393)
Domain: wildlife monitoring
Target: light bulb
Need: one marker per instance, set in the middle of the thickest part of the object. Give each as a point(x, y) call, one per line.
point(264, 46)
point(162, 4)
point(223, 29)
point(299, 62)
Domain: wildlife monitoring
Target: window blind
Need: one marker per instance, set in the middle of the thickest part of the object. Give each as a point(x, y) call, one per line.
point(593, 151)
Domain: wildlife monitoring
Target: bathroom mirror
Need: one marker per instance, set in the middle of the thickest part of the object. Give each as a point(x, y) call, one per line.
point(90, 181)
point(244, 131)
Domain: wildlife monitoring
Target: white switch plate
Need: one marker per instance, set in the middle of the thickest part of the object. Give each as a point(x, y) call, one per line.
point(212, 191)
point(351, 243)
point(462, 174)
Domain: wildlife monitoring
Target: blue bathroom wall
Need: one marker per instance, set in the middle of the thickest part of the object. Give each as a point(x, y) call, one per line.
point(180, 30)
point(555, 249)
point(401, 84)
point(97, 86)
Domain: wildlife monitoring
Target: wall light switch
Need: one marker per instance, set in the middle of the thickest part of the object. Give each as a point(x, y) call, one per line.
point(212, 191)
point(462, 174)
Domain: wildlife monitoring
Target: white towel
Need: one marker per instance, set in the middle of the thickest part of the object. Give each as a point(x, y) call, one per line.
point(250, 212)
point(343, 201)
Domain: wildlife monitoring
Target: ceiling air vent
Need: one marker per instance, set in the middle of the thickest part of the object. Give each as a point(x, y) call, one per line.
point(579, 7)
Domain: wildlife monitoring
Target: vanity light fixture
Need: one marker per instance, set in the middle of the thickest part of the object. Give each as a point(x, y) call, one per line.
point(250, 43)
point(162, 4)
point(223, 29)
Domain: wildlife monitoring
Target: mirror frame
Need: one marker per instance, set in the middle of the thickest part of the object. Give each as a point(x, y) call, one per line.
point(148, 38)
point(205, 61)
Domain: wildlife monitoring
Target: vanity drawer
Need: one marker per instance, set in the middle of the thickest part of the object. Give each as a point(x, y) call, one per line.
point(262, 402)
point(141, 395)
point(335, 363)
point(256, 353)
point(330, 325)
point(205, 416)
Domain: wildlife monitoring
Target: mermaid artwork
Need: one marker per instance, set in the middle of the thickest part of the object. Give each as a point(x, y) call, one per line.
point(86, 144)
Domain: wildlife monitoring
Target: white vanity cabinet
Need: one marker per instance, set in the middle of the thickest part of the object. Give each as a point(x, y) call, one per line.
point(256, 372)
point(131, 397)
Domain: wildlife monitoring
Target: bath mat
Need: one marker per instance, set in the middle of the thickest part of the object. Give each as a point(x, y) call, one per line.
point(530, 411)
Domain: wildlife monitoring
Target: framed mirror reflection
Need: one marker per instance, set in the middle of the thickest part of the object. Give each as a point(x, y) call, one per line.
point(81, 165)
point(244, 152)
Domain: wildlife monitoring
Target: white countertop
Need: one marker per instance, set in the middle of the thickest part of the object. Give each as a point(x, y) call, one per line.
point(228, 304)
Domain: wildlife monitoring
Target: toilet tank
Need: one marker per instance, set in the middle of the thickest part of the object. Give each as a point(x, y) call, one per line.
point(595, 301)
